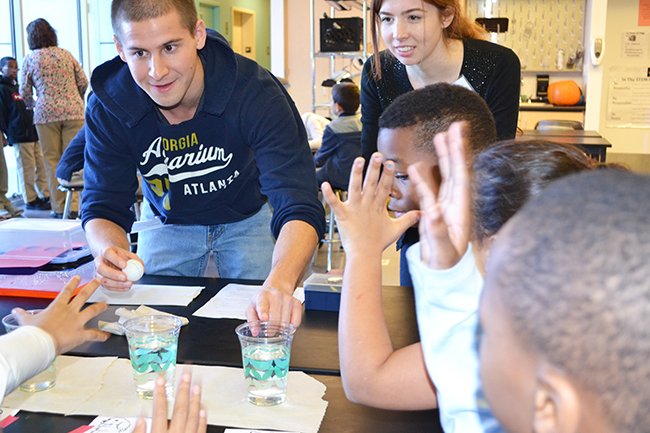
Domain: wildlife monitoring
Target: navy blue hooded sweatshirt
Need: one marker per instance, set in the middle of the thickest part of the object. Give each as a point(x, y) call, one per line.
point(245, 143)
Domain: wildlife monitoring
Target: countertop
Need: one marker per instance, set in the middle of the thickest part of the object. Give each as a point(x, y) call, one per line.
point(542, 106)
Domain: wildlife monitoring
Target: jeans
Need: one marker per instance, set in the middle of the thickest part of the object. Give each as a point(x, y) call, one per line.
point(242, 249)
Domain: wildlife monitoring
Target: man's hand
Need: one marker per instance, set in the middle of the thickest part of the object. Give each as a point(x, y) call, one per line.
point(109, 267)
point(292, 253)
point(64, 319)
point(445, 223)
point(188, 417)
point(275, 304)
point(363, 220)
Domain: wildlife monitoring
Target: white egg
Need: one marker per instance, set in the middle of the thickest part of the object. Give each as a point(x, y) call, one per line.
point(134, 270)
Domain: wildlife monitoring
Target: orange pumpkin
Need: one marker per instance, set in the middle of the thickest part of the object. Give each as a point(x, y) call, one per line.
point(564, 93)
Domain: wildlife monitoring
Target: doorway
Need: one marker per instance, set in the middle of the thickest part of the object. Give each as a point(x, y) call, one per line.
point(243, 32)
point(210, 14)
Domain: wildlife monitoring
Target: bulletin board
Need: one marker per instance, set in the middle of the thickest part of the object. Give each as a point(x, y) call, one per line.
point(547, 35)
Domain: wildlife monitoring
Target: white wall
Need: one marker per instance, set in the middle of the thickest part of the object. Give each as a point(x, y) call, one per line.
point(622, 16)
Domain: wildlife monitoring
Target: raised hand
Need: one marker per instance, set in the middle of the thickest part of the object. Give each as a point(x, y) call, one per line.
point(363, 220)
point(445, 222)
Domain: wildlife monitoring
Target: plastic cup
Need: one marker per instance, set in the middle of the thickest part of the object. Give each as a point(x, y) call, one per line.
point(42, 381)
point(153, 344)
point(266, 349)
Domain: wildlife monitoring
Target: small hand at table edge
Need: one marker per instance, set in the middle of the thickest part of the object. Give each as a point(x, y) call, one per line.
point(188, 416)
point(64, 320)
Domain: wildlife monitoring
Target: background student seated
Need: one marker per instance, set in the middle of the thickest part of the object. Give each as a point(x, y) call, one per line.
point(315, 126)
point(341, 139)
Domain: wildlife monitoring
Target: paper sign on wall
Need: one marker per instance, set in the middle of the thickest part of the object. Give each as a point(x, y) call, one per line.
point(634, 45)
point(644, 13)
point(629, 97)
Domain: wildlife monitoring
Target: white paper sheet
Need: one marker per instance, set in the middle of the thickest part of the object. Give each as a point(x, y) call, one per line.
point(5, 412)
point(232, 301)
point(148, 295)
point(77, 380)
point(105, 387)
point(239, 430)
point(107, 424)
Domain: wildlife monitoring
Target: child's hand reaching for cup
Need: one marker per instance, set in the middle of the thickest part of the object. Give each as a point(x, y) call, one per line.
point(363, 220)
point(445, 221)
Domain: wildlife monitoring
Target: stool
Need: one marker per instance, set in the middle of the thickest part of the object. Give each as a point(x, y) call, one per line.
point(68, 197)
point(329, 238)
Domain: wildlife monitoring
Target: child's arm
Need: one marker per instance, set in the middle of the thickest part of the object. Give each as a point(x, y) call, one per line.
point(372, 373)
point(445, 220)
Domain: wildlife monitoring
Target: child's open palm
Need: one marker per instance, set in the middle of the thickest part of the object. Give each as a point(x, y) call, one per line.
point(445, 220)
point(363, 219)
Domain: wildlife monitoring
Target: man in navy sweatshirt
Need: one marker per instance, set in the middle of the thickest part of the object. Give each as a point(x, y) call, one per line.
point(218, 142)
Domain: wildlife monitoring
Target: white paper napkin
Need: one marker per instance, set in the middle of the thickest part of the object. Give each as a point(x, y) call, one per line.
point(147, 294)
point(77, 380)
point(105, 387)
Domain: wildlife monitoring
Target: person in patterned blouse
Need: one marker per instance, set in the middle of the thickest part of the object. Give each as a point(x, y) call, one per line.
point(60, 85)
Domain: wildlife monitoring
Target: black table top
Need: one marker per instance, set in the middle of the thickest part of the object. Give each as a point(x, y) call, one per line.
point(213, 342)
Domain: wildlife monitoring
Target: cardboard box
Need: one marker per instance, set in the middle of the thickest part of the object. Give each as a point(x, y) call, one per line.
point(323, 292)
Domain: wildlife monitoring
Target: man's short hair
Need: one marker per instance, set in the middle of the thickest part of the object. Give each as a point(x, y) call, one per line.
point(5, 60)
point(572, 270)
point(141, 10)
point(347, 95)
point(434, 108)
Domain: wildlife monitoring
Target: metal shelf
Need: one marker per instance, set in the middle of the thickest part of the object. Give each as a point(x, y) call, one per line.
point(333, 55)
point(346, 54)
point(551, 71)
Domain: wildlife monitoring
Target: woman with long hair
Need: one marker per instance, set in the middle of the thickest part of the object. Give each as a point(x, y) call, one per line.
point(431, 41)
point(60, 85)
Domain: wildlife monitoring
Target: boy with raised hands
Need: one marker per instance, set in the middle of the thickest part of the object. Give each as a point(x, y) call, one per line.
point(372, 372)
point(406, 131)
point(446, 268)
